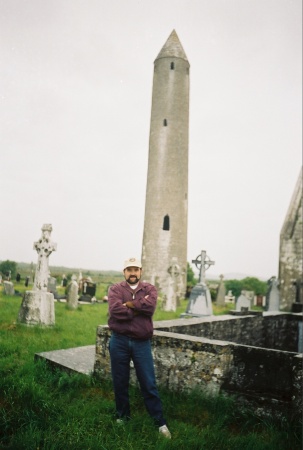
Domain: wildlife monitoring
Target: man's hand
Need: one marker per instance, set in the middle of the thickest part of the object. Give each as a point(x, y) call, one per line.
point(129, 305)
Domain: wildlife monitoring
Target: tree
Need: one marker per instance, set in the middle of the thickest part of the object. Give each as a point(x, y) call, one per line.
point(254, 284)
point(233, 285)
point(246, 284)
point(8, 266)
point(191, 280)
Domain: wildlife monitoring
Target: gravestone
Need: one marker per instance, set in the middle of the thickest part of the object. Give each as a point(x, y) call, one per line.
point(199, 303)
point(8, 287)
point(243, 303)
point(26, 282)
point(52, 286)
point(273, 295)
point(220, 300)
point(72, 293)
point(230, 298)
point(37, 307)
point(18, 277)
point(88, 290)
point(64, 281)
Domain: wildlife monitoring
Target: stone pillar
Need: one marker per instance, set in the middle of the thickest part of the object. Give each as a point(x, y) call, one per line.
point(8, 288)
point(72, 294)
point(220, 300)
point(37, 307)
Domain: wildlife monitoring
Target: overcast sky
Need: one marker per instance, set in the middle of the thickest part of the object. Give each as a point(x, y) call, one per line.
point(76, 86)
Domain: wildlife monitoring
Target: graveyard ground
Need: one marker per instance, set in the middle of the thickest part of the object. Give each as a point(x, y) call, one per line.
point(44, 409)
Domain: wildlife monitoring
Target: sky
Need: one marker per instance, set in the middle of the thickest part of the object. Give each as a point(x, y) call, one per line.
point(76, 87)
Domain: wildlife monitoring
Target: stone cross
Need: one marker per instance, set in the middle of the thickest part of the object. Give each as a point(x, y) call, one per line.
point(44, 248)
point(202, 262)
point(174, 269)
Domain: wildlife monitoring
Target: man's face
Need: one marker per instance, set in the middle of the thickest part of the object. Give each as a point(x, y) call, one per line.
point(132, 274)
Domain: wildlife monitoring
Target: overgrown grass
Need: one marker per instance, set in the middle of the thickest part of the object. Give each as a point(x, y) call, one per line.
point(51, 410)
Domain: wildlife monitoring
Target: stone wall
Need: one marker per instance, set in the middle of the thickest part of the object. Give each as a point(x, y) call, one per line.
point(277, 331)
point(269, 379)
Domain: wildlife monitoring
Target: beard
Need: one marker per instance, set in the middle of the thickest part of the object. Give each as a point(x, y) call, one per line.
point(132, 279)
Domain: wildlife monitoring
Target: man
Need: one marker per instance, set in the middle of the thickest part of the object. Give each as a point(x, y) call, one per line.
point(132, 304)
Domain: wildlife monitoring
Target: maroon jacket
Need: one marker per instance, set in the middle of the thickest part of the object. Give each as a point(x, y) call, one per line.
point(133, 322)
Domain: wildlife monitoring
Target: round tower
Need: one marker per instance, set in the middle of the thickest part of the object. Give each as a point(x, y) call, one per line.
point(165, 225)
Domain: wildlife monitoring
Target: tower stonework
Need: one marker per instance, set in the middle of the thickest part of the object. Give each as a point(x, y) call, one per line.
point(291, 252)
point(165, 223)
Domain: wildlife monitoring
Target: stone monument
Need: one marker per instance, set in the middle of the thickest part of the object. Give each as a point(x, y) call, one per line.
point(166, 205)
point(8, 288)
point(243, 303)
point(291, 251)
point(37, 307)
point(220, 300)
point(72, 293)
point(199, 303)
point(273, 295)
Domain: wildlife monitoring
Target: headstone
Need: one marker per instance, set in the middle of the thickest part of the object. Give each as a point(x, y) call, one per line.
point(88, 290)
point(273, 295)
point(199, 303)
point(18, 277)
point(64, 281)
point(26, 281)
point(243, 303)
point(37, 307)
point(52, 285)
point(230, 298)
point(8, 288)
point(72, 293)
point(220, 300)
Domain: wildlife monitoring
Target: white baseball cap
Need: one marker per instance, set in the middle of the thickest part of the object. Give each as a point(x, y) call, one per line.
point(132, 262)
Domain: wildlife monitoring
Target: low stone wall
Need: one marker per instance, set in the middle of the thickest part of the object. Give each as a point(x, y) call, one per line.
point(269, 379)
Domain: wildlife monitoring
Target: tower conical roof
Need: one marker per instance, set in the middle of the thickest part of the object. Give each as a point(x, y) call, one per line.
point(172, 48)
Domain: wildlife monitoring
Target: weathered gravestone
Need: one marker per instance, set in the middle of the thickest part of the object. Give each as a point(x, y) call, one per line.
point(243, 303)
point(72, 293)
point(220, 300)
point(64, 281)
point(273, 295)
point(88, 290)
point(8, 288)
point(52, 286)
point(200, 303)
point(230, 298)
point(37, 307)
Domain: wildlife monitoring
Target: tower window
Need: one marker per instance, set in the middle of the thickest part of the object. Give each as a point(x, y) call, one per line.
point(165, 123)
point(172, 66)
point(166, 223)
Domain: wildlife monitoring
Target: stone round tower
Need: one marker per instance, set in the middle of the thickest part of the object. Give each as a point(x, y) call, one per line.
point(164, 250)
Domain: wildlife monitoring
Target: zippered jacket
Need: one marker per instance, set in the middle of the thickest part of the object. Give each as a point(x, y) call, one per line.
point(136, 321)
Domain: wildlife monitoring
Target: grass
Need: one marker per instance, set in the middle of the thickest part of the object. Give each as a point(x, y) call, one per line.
point(51, 410)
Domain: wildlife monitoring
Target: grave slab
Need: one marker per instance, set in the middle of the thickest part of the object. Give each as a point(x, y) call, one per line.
point(78, 359)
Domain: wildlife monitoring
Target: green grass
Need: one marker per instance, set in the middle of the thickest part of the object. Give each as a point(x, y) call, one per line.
point(45, 409)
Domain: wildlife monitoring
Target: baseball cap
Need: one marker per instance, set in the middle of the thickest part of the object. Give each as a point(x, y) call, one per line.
point(132, 262)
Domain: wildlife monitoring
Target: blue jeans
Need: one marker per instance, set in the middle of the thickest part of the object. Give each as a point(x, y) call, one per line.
point(122, 350)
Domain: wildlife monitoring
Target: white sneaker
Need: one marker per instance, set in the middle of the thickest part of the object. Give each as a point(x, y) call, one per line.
point(165, 431)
